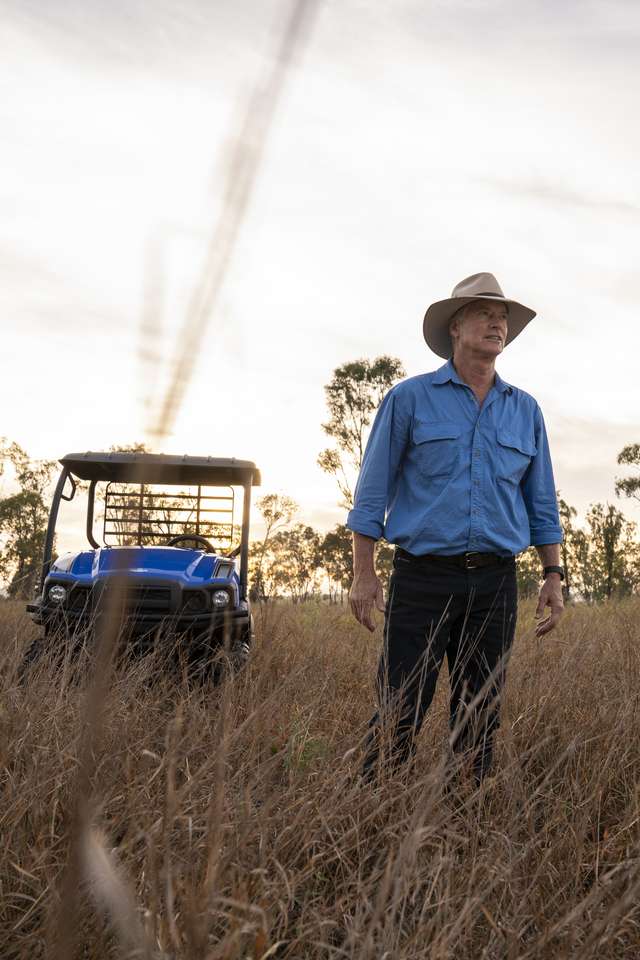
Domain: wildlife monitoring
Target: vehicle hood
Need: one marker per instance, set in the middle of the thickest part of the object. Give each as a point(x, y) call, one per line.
point(173, 563)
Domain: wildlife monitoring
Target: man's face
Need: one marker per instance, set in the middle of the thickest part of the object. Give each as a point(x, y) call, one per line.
point(481, 328)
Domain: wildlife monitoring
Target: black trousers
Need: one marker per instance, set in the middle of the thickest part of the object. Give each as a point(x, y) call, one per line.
point(435, 609)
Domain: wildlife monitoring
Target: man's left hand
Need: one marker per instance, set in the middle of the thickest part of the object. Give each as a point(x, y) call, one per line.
point(550, 596)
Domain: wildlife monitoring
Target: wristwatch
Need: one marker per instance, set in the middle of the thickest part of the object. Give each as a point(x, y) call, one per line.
point(553, 570)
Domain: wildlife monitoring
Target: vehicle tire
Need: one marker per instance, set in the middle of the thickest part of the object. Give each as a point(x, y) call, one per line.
point(55, 641)
point(39, 645)
point(33, 653)
point(207, 660)
point(241, 647)
point(239, 654)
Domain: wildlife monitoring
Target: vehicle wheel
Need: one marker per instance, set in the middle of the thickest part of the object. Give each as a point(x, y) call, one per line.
point(239, 654)
point(34, 651)
point(207, 659)
point(39, 646)
point(56, 642)
point(241, 648)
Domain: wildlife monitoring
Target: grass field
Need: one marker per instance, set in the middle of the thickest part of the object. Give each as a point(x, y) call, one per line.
point(228, 823)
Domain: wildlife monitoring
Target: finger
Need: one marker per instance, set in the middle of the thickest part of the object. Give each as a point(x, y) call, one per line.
point(541, 626)
point(556, 614)
point(362, 609)
point(380, 604)
point(365, 614)
point(361, 612)
point(546, 626)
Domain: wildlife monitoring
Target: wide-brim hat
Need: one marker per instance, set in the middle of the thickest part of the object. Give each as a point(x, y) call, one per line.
point(480, 286)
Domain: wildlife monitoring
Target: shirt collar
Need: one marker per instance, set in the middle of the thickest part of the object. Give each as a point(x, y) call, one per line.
point(448, 372)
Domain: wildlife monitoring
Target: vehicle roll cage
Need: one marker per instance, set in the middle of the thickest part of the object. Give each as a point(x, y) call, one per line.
point(146, 468)
point(133, 513)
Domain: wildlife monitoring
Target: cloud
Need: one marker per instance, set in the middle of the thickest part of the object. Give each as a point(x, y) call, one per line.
point(555, 193)
point(175, 37)
point(584, 453)
point(487, 26)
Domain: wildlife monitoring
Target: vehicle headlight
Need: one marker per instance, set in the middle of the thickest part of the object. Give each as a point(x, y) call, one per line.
point(57, 593)
point(220, 599)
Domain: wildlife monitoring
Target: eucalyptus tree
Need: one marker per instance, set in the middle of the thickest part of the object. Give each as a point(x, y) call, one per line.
point(353, 395)
point(23, 519)
point(629, 456)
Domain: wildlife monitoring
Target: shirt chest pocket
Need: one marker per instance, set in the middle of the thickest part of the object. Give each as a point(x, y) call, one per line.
point(436, 447)
point(514, 454)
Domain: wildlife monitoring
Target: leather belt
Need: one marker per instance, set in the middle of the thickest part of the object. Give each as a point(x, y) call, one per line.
point(468, 561)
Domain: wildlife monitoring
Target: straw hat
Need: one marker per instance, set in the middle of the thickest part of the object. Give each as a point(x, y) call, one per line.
point(480, 286)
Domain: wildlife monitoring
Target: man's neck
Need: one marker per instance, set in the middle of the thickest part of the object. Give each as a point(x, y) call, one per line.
point(478, 373)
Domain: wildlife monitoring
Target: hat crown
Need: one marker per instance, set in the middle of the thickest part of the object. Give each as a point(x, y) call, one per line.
point(478, 285)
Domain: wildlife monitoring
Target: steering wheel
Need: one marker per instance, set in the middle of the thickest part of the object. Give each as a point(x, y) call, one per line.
point(191, 536)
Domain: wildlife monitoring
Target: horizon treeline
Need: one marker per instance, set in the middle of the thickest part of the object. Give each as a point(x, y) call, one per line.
point(601, 557)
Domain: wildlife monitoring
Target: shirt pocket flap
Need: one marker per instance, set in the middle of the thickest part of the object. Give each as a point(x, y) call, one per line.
point(435, 430)
point(523, 444)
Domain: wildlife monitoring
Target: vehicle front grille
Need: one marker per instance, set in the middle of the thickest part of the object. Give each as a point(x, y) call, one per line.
point(156, 599)
point(194, 601)
point(141, 599)
point(79, 598)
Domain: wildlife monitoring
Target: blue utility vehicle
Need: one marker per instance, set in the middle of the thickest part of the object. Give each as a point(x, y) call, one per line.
point(168, 542)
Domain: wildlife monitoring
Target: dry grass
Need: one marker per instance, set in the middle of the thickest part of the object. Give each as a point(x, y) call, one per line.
point(228, 823)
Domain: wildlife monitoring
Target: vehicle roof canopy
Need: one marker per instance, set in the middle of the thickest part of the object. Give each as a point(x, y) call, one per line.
point(161, 468)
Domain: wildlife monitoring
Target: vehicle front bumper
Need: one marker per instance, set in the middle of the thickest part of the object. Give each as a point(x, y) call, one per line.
point(236, 621)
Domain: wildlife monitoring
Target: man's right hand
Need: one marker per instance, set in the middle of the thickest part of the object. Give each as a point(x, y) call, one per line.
point(366, 592)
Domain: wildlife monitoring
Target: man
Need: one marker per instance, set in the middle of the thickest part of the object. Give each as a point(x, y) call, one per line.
point(457, 474)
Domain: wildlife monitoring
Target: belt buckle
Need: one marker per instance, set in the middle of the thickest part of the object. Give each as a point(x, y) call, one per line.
point(468, 561)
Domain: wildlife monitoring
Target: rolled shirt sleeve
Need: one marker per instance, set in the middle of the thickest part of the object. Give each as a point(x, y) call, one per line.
point(539, 490)
point(380, 466)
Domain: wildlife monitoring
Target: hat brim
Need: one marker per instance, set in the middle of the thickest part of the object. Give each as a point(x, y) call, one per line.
point(435, 326)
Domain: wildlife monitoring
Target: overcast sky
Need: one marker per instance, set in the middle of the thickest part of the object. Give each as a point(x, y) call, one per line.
point(416, 143)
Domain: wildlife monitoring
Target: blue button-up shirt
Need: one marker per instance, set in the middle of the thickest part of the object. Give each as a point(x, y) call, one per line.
point(441, 474)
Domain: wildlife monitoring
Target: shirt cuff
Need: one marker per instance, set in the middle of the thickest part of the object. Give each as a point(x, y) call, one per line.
point(360, 523)
point(542, 535)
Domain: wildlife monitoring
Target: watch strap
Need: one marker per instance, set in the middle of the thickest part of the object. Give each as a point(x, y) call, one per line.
point(554, 570)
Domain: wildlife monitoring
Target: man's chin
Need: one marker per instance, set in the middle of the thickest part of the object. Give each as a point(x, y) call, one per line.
point(488, 350)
